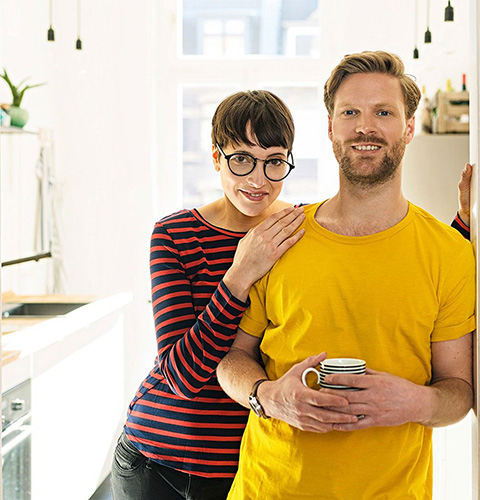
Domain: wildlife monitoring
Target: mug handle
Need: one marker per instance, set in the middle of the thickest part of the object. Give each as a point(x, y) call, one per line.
point(306, 372)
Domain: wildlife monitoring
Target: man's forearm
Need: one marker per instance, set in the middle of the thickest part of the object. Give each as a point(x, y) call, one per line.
point(450, 400)
point(237, 373)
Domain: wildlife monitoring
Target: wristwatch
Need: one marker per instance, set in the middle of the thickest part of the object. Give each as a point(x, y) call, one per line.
point(254, 402)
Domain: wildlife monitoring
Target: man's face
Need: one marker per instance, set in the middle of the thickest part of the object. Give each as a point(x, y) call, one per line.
point(368, 128)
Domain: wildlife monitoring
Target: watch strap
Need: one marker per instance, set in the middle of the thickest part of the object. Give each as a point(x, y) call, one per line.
point(253, 399)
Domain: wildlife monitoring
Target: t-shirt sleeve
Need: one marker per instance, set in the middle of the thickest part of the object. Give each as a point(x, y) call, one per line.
point(456, 316)
point(255, 321)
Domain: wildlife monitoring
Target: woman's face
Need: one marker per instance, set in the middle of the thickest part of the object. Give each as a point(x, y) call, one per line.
point(251, 194)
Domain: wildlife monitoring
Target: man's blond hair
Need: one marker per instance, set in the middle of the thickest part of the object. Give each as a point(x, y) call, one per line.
point(373, 62)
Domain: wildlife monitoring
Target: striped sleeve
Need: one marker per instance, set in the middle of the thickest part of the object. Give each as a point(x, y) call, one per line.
point(189, 347)
point(461, 227)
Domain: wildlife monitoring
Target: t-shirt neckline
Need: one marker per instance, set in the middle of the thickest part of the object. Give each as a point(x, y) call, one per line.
point(358, 240)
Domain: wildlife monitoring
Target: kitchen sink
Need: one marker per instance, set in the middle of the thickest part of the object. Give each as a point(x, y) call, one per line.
point(36, 309)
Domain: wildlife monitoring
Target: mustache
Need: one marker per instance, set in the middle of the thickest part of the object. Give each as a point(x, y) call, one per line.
point(367, 138)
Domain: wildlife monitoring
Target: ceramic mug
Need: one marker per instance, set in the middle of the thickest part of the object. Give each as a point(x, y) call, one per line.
point(334, 366)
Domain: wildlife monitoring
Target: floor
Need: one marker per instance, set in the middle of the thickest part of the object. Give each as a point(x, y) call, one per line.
point(103, 491)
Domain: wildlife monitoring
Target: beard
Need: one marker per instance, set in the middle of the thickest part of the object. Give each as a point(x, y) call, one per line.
point(370, 176)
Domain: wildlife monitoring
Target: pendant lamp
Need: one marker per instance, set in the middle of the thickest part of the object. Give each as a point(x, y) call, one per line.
point(449, 14)
point(50, 32)
point(78, 44)
point(428, 33)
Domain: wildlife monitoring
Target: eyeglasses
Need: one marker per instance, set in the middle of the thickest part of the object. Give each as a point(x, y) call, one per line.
point(241, 164)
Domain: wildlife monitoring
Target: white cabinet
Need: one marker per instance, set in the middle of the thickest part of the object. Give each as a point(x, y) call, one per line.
point(77, 415)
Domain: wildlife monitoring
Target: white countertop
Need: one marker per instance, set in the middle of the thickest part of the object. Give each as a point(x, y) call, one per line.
point(46, 342)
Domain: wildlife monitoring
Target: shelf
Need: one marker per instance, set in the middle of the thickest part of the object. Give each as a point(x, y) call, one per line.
point(17, 130)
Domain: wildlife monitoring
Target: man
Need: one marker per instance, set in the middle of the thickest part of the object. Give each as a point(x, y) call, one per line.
point(374, 277)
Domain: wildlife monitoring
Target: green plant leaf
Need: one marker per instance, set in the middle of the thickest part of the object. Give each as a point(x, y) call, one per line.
point(17, 92)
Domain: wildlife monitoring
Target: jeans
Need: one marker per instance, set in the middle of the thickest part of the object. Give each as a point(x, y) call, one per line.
point(136, 477)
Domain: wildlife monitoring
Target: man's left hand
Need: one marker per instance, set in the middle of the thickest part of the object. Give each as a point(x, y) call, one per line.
point(384, 401)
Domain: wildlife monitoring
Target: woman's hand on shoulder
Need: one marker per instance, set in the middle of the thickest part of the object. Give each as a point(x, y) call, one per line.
point(261, 247)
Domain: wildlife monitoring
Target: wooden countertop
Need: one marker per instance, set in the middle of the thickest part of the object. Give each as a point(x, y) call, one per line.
point(9, 356)
point(11, 297)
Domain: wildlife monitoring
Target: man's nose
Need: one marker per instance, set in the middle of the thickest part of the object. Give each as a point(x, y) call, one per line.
point(365, 125)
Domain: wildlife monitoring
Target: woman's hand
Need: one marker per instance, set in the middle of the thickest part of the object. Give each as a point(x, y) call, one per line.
point(464, 194)
point(261, 247)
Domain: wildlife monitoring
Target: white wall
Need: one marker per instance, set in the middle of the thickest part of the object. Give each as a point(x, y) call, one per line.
point(98, 103)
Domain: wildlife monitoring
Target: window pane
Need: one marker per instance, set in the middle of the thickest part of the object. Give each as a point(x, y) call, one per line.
point(201, 183)
point(212, 27)
point(266, 27)
point(302, 184)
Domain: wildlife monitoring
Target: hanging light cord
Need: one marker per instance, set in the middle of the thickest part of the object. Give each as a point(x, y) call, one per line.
point(78, 18)
point(416, 23)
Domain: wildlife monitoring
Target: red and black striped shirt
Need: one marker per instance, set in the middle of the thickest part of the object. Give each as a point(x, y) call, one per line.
point(180, 416)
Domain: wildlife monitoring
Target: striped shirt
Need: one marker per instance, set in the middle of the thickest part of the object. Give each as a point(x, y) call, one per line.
point(180, 417)
point(460, 226)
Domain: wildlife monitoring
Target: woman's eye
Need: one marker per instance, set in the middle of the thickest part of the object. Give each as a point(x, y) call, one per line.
point(275, 162)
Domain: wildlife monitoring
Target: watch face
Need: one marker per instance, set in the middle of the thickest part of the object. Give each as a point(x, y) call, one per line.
point(255, 405)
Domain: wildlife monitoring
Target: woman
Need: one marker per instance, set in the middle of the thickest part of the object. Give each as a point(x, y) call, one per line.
point(183, 433)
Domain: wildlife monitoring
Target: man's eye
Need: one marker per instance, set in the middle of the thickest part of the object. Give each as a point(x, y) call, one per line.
point(384, 113)
point(349, 112)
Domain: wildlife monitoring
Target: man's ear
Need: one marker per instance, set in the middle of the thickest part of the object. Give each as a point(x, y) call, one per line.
point(330, 133)
point(216, 157)
point(410, 130)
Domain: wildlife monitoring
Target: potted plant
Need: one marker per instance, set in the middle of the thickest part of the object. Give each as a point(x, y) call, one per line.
point(18, 115)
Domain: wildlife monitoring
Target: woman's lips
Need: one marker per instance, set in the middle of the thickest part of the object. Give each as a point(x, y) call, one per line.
point(252, 196)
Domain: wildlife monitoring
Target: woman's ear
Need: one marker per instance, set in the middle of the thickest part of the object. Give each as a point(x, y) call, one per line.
point(216, 157)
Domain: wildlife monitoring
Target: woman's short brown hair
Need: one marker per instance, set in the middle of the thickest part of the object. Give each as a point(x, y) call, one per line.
point(373, 62)
point(269, 117)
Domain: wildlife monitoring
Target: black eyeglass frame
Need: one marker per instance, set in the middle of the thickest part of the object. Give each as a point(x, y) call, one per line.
point(255, 160)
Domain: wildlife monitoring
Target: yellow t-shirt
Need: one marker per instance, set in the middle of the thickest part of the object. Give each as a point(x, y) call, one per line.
point(383, 298)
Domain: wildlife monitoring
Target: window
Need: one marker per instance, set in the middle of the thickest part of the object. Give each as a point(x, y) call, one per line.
point(223, 47)
point(247, 27)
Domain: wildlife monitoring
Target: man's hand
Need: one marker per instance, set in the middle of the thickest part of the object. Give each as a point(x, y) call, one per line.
point(464, 194)
point(307, 409)
point(384, 401)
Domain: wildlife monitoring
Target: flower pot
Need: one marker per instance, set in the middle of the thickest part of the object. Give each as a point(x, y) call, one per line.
point(18, 116)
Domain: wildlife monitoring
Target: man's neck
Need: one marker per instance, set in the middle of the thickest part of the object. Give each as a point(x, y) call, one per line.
point(359, 211)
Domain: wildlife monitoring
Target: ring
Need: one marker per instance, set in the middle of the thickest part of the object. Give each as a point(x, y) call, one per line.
point(360, 416)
